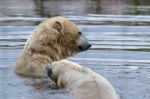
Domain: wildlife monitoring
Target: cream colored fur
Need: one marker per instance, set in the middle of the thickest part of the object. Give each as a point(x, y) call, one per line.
point(81, 82)
point(52, 40)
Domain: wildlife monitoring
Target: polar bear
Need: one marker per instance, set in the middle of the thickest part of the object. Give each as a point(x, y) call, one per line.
point(54, 39)
point(79, 81)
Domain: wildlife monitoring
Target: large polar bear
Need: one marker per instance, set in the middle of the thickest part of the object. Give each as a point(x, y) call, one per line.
point(54, 39)
point(79, 81)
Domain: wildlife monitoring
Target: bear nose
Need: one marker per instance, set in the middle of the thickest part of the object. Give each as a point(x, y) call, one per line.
point(89, 46)
point(49, 70)
point(84, 48)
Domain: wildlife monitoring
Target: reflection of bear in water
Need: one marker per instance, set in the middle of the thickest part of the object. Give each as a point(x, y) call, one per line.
point(80, 81)
point(54, 39)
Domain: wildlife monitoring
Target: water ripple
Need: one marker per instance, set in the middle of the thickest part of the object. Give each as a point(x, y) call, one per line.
point(92, 19)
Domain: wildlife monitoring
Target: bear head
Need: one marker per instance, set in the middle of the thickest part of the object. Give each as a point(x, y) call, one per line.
point(57, 71)
point(59, 38)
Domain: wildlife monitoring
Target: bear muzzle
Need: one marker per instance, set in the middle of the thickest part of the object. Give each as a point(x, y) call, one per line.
point(84, 44)
point(84, 48)
point(49, 70)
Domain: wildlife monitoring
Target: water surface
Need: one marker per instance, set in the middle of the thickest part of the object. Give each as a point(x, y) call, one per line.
point(119, 31)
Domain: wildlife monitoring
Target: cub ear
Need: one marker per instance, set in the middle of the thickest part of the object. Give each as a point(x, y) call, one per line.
point(57, 25)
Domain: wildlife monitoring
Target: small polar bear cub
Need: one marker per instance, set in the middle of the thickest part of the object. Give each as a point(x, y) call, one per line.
point(79, 81)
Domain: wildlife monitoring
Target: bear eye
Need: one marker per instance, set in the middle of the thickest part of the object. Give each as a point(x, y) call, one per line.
point(80, 33)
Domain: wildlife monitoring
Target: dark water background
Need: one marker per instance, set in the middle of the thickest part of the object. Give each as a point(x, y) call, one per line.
point(118, 29)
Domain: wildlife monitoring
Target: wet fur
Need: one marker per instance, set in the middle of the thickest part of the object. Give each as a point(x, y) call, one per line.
point(52, 40)
point(81, 82)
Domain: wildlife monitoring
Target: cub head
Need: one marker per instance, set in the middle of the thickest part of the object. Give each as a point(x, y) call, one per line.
point(58, 69)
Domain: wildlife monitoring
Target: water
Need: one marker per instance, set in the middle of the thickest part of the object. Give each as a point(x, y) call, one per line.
point(118, 30)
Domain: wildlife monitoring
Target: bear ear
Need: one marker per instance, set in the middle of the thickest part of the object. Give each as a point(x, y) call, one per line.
point(57, 25)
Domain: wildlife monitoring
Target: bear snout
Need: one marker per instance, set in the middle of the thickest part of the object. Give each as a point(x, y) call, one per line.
point(84, 44)
point(89, 46)
point(84, 48)
point(49, 70)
